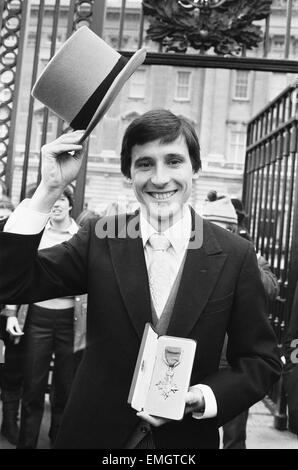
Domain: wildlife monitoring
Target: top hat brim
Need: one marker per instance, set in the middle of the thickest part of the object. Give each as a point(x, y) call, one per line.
point(135, 61)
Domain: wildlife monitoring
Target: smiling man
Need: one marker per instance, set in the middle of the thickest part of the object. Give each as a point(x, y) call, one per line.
point(161, 158)
point(162, 180)
point(198, 291)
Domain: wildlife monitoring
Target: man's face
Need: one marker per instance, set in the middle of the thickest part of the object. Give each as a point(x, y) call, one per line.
point(60, 210)
point(162, 178)
point(4, 213)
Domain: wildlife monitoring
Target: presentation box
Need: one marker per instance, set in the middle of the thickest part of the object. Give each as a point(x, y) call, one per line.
point(162, 374)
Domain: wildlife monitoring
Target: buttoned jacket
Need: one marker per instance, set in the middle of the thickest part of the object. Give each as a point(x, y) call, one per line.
point(220, 291)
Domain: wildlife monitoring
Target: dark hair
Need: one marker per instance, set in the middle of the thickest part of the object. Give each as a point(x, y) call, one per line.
point(159, 124)
point(241, 214)
point(68, 192)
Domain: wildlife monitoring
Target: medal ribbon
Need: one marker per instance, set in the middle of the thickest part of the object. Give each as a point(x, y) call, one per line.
point(172, 356)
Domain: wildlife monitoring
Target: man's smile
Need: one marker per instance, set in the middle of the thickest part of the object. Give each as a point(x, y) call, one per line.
point(162, 196)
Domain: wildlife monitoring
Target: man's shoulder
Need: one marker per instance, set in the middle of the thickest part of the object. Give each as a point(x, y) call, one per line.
point(118, 226)
point(228, 241)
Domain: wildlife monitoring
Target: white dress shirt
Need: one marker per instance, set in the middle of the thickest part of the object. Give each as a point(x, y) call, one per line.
point(26, 221)
point(178, 236)
point(52, 236)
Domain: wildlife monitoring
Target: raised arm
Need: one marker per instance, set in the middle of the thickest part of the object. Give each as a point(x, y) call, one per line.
point(61, 162)
point(26, 276)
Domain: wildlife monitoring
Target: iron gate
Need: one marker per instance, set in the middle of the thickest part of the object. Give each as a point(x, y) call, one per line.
point(270, 194)
point(48, 24)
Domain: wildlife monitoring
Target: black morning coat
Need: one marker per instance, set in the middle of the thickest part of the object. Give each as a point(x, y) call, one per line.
point(220, 291)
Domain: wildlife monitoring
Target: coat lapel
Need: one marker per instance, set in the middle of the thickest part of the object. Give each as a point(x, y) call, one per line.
point(130, 267)
point(201, 270)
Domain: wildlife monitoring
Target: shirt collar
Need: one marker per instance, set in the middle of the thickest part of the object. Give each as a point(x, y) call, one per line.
point(178, 234)
point(72, 229)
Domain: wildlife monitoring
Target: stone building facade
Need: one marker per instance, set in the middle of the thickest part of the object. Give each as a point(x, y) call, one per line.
point(218, 102)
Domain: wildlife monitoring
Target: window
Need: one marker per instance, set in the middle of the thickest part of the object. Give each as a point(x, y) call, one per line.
point(241, 85)
point(60, 38)
point(183, 83)
point(138, 84)
point(236, 147)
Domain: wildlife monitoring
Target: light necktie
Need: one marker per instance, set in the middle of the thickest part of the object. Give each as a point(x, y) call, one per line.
point(159, 271)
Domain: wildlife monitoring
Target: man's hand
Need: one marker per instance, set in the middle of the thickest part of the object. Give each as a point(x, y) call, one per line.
point(13, 327)
point(61, 162)
point(194, 403)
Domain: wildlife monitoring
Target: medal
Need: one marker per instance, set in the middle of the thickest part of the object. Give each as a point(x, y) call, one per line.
point(172, 358)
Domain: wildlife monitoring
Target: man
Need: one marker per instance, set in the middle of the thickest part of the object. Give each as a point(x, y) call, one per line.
point(48, 329)
point(213, 287)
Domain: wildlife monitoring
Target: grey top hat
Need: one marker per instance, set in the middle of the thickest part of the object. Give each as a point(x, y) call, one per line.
point(83, 78)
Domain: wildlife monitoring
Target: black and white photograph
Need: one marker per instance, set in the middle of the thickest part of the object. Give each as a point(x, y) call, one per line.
point(148, 228)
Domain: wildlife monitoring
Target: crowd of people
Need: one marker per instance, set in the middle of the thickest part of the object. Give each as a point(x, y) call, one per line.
point(217, 291)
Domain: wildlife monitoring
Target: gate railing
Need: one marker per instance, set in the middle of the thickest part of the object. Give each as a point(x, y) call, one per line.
point(270, 195)
point(12, 30)
point(31, 32)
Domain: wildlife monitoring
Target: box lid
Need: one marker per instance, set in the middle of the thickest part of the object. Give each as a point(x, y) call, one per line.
point(143, 370)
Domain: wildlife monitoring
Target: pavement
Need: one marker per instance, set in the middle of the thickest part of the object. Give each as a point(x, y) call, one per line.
point(261, 433)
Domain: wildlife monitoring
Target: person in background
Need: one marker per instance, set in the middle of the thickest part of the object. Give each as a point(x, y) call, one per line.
point(48, 330)
point(269, 279)
point(228, 213)
point(10, 371)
